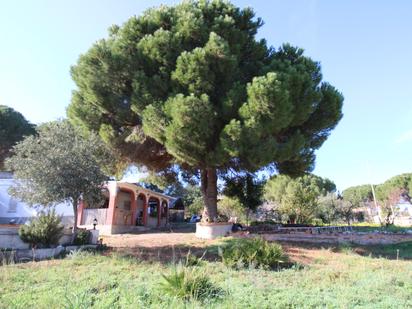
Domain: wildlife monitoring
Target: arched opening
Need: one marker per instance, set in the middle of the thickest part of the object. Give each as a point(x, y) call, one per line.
point(164, 212)
point(141, 212)
point(125, 207)
point(153, 211)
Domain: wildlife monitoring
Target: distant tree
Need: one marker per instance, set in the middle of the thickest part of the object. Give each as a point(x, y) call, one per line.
point(247, 189)
point(326, 210)
point(193, 200)
point(191, 85)
point(334, 208)
point(389, 197)
point(298, 198)
point(358, 195)
point(59, 165)
point(13, 128)
point(231, 207)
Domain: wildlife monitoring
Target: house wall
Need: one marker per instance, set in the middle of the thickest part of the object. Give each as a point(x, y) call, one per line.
point(123, 212)
point(20, 212)
point(89, 214)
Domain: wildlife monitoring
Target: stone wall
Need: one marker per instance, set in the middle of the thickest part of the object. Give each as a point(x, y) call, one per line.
point(340, 238)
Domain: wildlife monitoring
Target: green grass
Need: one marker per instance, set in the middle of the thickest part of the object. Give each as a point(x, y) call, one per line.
point(330, 280)
point(402, 250)
point(372, 227)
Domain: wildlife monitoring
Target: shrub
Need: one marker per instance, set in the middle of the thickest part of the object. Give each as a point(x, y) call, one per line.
point(45, 230)
point(189, 284)
point(256, 223)
point(252, 253)
point(82, 237)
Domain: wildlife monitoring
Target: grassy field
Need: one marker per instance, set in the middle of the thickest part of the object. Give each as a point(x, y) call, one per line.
point(323, 278)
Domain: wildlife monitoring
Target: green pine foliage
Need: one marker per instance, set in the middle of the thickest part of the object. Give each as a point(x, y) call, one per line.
point(13, 128)
point(45, 230)
point(191, 85)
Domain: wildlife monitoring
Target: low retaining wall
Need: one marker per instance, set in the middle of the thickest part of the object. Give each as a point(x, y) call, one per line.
point(26, 255)
point(341, 238)
point(9, 238)
point(107, 230)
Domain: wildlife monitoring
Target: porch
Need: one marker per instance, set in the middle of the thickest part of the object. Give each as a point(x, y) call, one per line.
point(128, 207)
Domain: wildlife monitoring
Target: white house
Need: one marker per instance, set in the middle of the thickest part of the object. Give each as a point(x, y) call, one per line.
point(13, 211)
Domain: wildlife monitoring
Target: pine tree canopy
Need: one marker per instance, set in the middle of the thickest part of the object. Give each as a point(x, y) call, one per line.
point(13, 127)
point(191, 85)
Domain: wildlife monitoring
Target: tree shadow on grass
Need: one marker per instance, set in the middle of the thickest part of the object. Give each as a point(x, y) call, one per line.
point(402, 251)
point(165, 254)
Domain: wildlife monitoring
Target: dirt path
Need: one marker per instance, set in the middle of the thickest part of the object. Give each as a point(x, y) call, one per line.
point(168, 246)
point(165, 246)
point(155, 240)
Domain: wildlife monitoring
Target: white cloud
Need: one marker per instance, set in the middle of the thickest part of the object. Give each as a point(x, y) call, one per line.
point(404, 137)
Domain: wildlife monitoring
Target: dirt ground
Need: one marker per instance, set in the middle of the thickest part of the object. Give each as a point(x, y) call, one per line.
point(171, 246)
point(166, 246)
point(154, 240)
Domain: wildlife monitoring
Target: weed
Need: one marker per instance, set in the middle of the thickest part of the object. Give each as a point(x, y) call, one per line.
point(193, 260)
point(252, 253)
point(189, 284)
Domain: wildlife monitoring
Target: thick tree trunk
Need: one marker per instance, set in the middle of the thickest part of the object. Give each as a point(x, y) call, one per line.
point(209, 192)
point(74, 229)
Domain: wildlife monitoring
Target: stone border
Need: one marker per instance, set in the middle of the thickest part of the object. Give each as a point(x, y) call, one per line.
point(337, 238)
point(28, 255)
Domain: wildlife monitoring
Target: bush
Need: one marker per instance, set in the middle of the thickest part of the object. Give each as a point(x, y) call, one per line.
point(45, 230)
point(252, 253)
point(256, 223)
point(189, 284)
point(82, 237)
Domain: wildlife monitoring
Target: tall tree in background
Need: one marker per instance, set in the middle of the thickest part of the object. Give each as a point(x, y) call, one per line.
point(358, 195)
point(247, 189)
point(59, 165)
point(191, 86)
point(391, 193)
point(297, 198)
point(13, 128)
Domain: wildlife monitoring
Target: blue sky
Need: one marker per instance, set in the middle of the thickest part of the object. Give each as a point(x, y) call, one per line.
point(364, 48)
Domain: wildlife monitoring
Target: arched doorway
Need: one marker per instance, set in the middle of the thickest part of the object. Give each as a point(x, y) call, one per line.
point(153, 211)
point(125, 207)
point(141, 212)
point(164, 212)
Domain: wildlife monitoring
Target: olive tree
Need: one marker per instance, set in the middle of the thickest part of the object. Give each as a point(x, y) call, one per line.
point(59, 165)
point(297, 198)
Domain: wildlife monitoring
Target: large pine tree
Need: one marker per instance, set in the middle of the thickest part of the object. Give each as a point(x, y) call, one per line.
point(191, 86)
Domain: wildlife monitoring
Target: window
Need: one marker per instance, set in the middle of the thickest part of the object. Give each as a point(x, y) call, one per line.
point(12, 205)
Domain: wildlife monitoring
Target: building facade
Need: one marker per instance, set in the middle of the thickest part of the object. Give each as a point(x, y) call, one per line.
point(127, 208)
